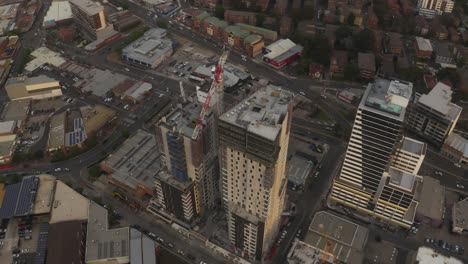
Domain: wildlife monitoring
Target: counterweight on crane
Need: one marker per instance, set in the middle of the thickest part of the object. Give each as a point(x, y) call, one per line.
point(216, 86)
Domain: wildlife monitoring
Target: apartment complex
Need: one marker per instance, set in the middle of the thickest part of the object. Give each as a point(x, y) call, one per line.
point(429, 8)
point(188, 184)
point(39, 87)
point(433, 116)
point(254, 139)
point(366, 182)
point(89, 16)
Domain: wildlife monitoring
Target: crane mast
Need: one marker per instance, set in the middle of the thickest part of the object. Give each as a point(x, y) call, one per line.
point(216, 86)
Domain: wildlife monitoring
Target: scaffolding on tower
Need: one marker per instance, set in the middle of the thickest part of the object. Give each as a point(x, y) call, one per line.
point(216, 86)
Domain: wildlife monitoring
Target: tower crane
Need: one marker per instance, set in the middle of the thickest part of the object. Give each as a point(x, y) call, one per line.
point(216, 86)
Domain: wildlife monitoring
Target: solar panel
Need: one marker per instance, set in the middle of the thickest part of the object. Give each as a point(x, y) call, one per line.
point(7, 210)
point(27, 196)
point(39, 258)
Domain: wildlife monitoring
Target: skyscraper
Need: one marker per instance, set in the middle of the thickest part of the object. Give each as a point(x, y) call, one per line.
point(366, 182)
point(189, 183)
point(254, 139)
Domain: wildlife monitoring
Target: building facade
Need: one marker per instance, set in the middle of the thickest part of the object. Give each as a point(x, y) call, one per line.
point(254, 139)
point(430, 8)
point(433, 116)
point(190, 172)
point(365, 183)
point(89, 16)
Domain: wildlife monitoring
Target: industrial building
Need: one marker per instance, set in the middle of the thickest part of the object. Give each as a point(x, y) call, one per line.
point(366, 182)
point(433, 116)
point(281, 52)
point(40, 87)
point(330, 239)
point(191, 164)
point(133, 166)
point(150, 50)
point(254, 139)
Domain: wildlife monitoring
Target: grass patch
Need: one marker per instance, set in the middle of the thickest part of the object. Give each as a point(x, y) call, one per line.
point(320, 115)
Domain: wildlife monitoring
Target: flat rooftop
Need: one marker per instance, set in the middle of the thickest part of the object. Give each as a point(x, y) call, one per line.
point(150, 48)
point(413, 146)
point(439, 99)
point(102, 242)
point(183, 119)
point(68, 205)
point(387, 97)
point(431, 199)
point(401, 179)
point(298, 170)
point(45, 194)
point(262, 113)
point(136, 161)
point(89, 7)
point(348, 239)
point(424, 44)
point(142, 248)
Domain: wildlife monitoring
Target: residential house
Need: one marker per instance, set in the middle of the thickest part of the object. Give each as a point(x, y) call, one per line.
point(366, 64)
point(316, 70)
point(232, 16)
point(392, 43)
point(338, 61)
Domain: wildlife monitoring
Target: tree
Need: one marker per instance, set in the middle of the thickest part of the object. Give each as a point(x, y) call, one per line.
point(161, 24)
point(351, 72)
point(364, 40)
point(260, 19)
point(343, 32)
point(350, 19)
point(219, 11)
point(94, 171)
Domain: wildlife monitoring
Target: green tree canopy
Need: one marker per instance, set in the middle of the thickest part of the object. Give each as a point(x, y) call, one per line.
point(364, 40)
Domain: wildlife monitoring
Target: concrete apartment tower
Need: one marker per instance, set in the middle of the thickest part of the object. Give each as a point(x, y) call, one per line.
point(374, 180)
point(254, 139)
point(188, 184)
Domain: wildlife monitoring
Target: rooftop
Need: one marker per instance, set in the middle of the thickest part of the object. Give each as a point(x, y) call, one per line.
point(431, 199)
point(413, 146)
point(366, 61)
point(60, 252)
point(298, 170)
point(401, 179)
point(142, 248)
point(7, 127)
point(424, 44)
point(68, 205)
point(428, 255)
point(150, 48)
point(89, 7)
point(136, 161)
point(388, 97)
point(458, 142)
point(58, 10)
point(262, 113)
point(347, 238)
point(45, 194)
point(183, 119)
point(101, 242)
point(439, 99)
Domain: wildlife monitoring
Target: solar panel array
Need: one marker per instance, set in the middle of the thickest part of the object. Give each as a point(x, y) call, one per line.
point(42, 243)
point(7, 209)
point(27, 196)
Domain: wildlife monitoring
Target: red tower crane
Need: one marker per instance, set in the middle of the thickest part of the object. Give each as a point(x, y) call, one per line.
point(216, 86)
